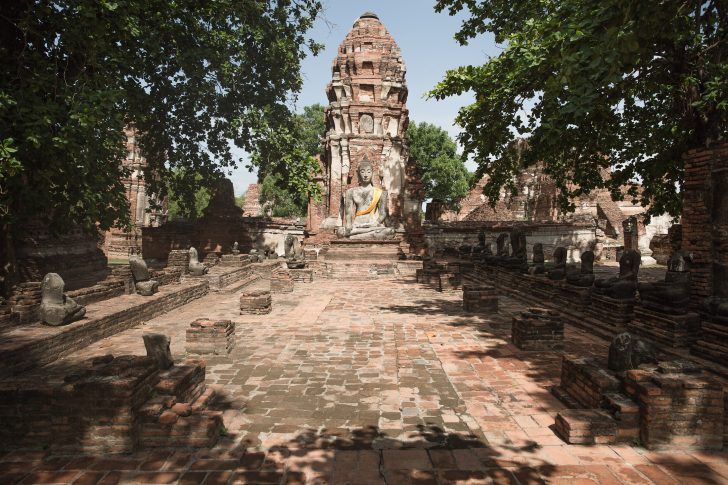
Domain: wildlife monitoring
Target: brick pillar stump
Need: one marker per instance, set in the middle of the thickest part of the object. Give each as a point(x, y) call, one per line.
point(480, 298)
point(207, 336)
point(681, 408)
point(255, 302)
point(538, 329)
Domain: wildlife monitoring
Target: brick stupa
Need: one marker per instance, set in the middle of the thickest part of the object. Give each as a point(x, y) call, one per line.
point(367, 118)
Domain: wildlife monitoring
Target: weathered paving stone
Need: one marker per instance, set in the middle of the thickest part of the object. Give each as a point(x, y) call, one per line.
point(343, 383)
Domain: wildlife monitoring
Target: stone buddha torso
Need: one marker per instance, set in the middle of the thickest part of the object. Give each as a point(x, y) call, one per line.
point(365, 209)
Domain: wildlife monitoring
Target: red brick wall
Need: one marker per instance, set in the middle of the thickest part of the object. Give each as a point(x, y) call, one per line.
point(704, 225)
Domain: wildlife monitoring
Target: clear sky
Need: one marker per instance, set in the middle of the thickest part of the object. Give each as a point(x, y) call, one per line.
point(428, 48)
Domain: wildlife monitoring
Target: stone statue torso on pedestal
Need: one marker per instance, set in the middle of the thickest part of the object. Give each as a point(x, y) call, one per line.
point(365, 209)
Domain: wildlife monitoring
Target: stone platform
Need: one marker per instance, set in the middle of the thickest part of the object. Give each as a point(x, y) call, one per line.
point(362, 260)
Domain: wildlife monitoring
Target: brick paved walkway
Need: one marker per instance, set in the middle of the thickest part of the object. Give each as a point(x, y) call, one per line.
point(376, 382)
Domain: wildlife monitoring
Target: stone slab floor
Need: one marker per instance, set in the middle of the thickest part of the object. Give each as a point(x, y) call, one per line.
point(372, 382)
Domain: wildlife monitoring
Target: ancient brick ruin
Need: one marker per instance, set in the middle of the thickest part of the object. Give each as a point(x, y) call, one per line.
point(366, 118)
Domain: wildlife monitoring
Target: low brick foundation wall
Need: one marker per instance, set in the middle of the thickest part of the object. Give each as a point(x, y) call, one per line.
point(674, 331)
point(584, 381)
point(30, 346)
point(108, 405)
point(207, 336)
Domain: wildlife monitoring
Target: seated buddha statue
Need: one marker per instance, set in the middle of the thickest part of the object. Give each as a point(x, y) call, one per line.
point(623, 286)
point(518, 259)
point(538, 261)
point(585, 276)
point(558, 272)
point(673, 294)
point(365, 208)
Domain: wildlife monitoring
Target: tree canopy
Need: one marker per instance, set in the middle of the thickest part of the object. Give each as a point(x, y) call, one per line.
point(442, 170)
point(285, 158)
point(195, 79)
point(593, 85)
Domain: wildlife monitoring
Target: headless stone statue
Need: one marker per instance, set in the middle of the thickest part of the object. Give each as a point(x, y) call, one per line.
point(673, 294)
point(519, 256)
point(628, 352)
point(365, 208)
point(480, 248)
point(55, 307)
point(622, 287)
point(143, 281)
point(196, 268)
point(585, 276)
point(558, 272)
point(294, 253)
point(157, 346)
point(538, 261)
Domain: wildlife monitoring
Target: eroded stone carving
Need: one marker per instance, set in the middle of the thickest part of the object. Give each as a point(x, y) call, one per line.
point(143, 281)
point(55, 307)
point(235, 249)
point(365, 208)
point(196, 268)
point(629, 352)
point(621, 287)
point(157, 346)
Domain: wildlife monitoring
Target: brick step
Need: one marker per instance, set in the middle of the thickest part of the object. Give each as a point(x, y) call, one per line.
point(586, 426)
point(626, 413)
point(180, 419)
point(239, 285)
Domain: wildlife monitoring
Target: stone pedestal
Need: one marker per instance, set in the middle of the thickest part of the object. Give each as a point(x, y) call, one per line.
point(678, 411)
point(281, 281)
point(671, 330)
point(207, 336)
point(480, 299)
point(538, 329)
point(255, 302)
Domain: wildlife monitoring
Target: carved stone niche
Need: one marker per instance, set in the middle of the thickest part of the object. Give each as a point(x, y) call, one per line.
point(366, 123)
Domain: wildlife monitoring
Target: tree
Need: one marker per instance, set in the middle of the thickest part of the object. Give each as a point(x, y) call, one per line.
point(194, 78)
point(282, 202)
point(442, 170)
point(175, 211)
point(285, 158)
point(593, 85)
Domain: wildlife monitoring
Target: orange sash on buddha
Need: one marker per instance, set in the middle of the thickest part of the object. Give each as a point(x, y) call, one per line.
point(373, 205)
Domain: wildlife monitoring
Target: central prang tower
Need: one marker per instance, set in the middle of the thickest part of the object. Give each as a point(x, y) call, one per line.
point(366, 119)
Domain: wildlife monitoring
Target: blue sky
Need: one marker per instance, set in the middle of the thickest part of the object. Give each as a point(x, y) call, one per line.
point(426, 40)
